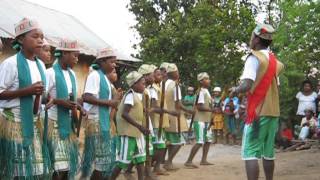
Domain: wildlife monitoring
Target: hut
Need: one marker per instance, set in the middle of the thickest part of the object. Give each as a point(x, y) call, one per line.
point(55, 25)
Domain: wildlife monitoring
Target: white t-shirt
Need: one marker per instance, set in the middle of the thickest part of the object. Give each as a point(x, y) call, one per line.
point(152, 93)
point(306, 102)
point(52, 90)
point(251, 66)
point(93, 87)
point(202, 93)
point(9, 81)
point(169, 81)
point(129, 98)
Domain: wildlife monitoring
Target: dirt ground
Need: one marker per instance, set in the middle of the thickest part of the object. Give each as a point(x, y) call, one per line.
point(298, 165)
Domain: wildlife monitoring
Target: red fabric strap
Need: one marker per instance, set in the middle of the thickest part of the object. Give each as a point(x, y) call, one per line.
point(259, 93)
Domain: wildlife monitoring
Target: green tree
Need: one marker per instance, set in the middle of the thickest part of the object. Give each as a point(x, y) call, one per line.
point(297, 42)
point(196, 35)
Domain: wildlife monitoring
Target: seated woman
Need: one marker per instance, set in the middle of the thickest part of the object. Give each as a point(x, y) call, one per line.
point(309, 120)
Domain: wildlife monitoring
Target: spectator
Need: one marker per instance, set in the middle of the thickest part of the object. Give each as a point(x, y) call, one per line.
point(307, 99)
point(318, 99)
point(188, 102)
point(218, 122)
point(285, 136)
point(307, 126)
point(216, 96)
point(230, 108)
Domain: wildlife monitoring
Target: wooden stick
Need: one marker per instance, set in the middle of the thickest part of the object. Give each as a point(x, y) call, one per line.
point(178, 118)
point(163, 89)
point(36, 104)
point(148, 160)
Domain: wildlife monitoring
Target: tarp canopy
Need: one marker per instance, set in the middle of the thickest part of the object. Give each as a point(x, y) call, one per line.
point(55, 24)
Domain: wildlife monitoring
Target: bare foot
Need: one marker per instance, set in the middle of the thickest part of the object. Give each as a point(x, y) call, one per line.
point(190, 165)
point(206, 163)
point(150, 177)
point(128, 176)
point(161, 172)
point(170, 167)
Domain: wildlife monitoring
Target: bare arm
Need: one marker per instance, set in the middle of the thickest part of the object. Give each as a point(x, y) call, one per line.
point(183, 108)
point(245, 86)
point(201, 107)
point(128, 118)
point(156, 109)
point(89, 98)
point(35, 89)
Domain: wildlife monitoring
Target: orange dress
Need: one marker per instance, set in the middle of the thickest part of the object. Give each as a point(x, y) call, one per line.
point(218, 121)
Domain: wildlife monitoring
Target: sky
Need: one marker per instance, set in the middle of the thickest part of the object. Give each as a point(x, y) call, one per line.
point(109, 19)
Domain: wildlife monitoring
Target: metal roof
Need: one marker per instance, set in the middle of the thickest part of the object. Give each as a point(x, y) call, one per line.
point(54, 24)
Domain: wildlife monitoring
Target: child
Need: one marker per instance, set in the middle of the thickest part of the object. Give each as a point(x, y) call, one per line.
point(216, 96)
point(202, 122)
point(130, 128)
point(22, 81)
point(113, 77)
point(99, 102)
point(218, 122)
point(62, 88)
point(231, 107)
point(159, 139)
point(173, 100)
point(286, 136)
point(45, 53)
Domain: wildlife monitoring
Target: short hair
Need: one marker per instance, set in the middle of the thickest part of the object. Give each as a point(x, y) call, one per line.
point(307, 81)
point(265, 42)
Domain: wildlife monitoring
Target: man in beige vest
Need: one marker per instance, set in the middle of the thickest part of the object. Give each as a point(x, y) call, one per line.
point(177, 124)
point(259, 81)
point(202, 121)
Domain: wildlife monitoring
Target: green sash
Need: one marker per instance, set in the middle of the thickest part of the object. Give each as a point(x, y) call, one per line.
point(64, 117)
point(26, 102)
point(104, 116)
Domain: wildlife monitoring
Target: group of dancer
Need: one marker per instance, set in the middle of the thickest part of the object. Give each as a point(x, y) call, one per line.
point(41, 115)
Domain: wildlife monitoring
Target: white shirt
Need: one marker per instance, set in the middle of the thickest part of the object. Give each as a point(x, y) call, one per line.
point(152, 93)
point(202, 93)
point(93, 87)
point(169, 81)
point(306, 102)
point(52, 90)
point(251, 66)
point(129, 98)
point(9, 81)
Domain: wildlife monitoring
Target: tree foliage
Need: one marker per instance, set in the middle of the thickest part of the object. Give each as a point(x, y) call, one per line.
point(196, 35)
point(297, 42)
point(212, 35)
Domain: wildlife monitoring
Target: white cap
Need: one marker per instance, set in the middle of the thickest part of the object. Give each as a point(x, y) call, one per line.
point(217, 89)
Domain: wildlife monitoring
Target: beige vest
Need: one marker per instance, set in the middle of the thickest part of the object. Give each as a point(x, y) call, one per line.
point(155, 118)
point(270, 106)
point(123, 127)
point(173, 120)
point(203, 116)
